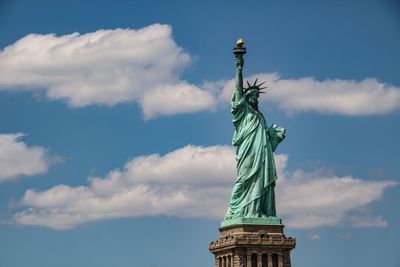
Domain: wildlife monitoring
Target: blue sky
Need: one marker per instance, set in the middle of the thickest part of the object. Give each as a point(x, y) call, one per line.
point(115, 128)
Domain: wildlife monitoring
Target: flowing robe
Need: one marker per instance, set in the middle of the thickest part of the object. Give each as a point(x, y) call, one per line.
point(253, 193)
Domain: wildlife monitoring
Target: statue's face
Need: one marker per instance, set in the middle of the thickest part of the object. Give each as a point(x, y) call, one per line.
point(253, 100)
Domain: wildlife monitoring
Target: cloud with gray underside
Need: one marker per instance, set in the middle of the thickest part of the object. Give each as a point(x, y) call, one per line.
point(106, 67)
point(144, 66)
point(196, 182)
point(332, 96)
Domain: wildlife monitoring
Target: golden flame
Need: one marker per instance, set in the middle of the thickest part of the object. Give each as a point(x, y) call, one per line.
point(240, 42)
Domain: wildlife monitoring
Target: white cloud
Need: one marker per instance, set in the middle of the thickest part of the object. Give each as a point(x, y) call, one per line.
point(316, 199)
point(176, 98)
point(109, 67)
point(17, 159)
point(368, 221)
point(344, 97)
point(194, 182)
point(105, 67)
point(188, 182)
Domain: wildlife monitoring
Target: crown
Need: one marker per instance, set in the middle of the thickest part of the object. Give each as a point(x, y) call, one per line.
point(254, 88)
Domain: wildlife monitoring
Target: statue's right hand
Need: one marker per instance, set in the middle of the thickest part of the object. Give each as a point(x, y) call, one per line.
point(239, 62)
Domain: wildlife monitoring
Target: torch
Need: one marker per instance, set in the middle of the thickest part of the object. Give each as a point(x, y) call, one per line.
point(239, 50)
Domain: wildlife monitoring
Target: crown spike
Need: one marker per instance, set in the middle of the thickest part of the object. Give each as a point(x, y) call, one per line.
point(255, 82)
point(248, 84)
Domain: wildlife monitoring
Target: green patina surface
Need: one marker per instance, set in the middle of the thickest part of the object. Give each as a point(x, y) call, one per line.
point(253, 197)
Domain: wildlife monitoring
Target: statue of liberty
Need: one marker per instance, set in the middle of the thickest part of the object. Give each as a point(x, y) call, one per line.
point(253, 196)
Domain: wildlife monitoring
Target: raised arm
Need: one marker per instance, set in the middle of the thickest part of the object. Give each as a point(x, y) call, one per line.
point(239, 77)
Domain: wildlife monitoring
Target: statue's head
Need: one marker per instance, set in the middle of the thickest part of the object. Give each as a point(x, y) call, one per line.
point(252, 98)
point(252, 93)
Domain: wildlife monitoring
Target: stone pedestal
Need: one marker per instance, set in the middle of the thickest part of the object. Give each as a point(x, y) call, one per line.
point(250, 245)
